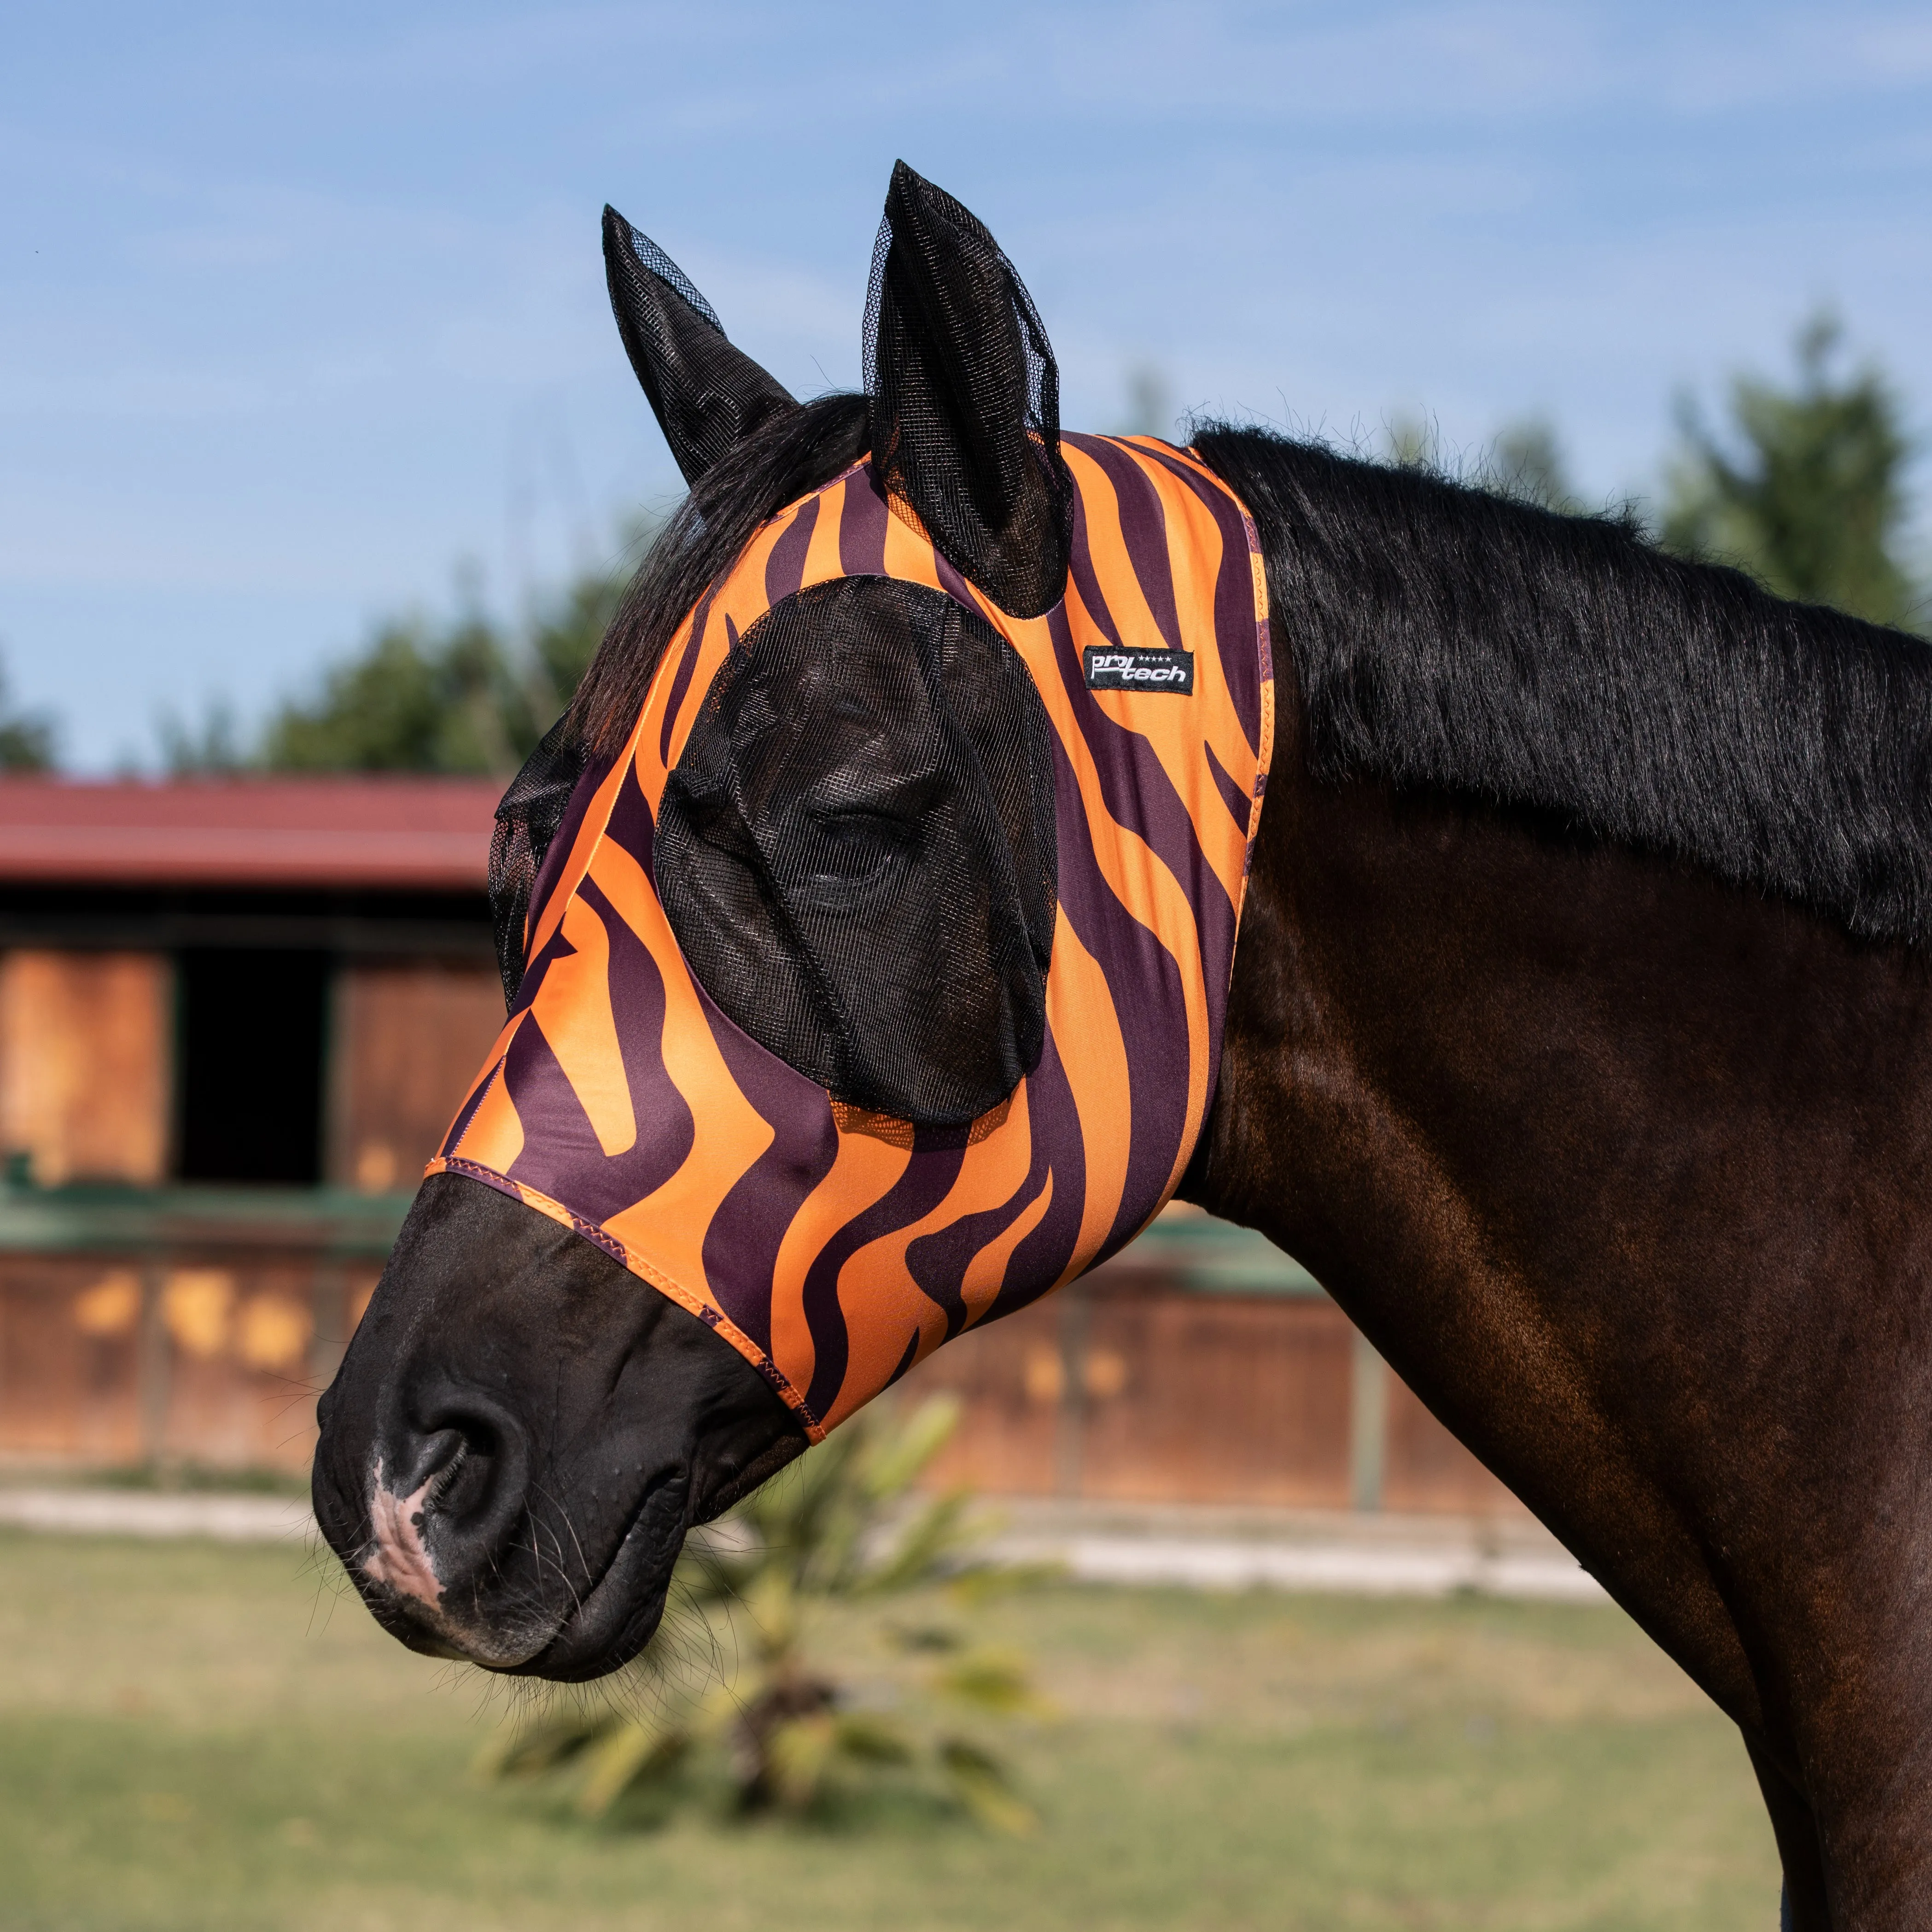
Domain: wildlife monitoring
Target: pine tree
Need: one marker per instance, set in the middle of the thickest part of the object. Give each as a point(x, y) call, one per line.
point(1807, 489)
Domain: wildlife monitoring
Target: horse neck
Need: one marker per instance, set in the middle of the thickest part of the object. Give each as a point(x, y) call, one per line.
point(1463, 1049)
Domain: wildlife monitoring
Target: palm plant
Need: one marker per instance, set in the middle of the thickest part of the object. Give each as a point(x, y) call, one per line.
point(784, 1733)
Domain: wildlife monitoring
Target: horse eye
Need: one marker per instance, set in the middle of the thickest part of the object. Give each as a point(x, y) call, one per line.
point(846, 852)
point(856, 842)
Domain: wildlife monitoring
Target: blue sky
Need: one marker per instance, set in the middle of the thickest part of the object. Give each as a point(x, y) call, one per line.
point(302, 310)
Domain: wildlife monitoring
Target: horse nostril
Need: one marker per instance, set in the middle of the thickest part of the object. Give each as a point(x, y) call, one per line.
point(417, 1462)
point(464, 1459)
point(464, 1483)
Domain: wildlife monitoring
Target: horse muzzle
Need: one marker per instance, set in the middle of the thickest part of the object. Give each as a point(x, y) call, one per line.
point(519, 1437)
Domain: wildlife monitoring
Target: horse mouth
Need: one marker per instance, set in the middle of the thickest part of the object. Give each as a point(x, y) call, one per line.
point(618, 1614)
point(607, 1623)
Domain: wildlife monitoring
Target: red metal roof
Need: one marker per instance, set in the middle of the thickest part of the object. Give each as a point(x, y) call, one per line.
point(424, 833)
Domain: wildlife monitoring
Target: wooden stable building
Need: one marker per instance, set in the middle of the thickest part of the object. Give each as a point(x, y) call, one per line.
point(235, 1017)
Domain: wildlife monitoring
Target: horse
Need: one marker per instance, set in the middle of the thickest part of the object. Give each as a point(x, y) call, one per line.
point(1578, 1039)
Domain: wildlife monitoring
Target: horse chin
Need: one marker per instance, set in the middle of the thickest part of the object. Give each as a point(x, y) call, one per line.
point(619, 1614)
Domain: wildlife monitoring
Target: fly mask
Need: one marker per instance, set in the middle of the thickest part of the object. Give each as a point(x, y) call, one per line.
point(876, 986)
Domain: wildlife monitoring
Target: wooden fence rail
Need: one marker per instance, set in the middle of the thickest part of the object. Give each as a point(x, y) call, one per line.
point(197, 1326)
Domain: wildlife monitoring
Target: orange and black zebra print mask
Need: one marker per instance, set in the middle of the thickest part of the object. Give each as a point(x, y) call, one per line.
point(835, 1245)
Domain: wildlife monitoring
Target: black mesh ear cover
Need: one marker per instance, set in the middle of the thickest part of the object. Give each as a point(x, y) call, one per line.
point(708, 396)
point(856, 849)
point(528, 818)
point(966, 400)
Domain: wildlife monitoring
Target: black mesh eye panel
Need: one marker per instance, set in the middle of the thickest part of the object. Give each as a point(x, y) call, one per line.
point(856, 849)
point(528, 818)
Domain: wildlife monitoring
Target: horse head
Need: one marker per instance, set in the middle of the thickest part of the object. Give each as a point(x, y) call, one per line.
point(866, 925)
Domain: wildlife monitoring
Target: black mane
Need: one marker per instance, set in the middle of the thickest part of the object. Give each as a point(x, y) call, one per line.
point(1447, 638)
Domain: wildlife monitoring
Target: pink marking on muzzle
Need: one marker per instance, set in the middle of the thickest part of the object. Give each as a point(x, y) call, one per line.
point(399, 1559)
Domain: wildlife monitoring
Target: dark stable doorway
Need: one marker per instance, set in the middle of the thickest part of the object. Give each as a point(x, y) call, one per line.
point(252, 1035)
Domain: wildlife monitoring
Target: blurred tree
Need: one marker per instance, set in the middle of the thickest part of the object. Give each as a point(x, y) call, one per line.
point(1150, 402)
point(1526, 462)
point(1414, 440)
point(1807, 491)
point(213, 749)
point(567, 632)
point(26, 737)
point(464, 695)
point(416, 700)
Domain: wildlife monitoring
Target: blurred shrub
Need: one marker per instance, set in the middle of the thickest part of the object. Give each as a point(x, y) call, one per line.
point(784, 1734)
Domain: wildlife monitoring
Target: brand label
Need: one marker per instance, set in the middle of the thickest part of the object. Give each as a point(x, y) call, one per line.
point(1110, 669)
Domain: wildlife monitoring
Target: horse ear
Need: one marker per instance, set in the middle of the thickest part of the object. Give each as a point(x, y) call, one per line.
point(708, 396)
point(966, 400)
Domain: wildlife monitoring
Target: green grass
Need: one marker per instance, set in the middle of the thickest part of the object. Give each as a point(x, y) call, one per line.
point(196, 1737)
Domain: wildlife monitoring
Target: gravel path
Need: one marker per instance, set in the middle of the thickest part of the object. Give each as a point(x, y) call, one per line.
point(226, 1518)
point(1202, 1549)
